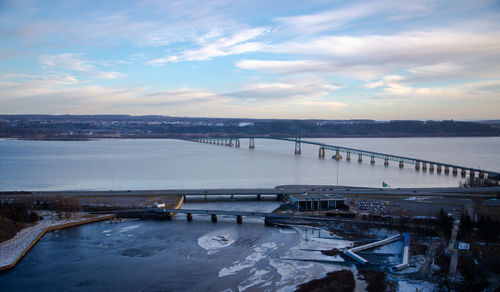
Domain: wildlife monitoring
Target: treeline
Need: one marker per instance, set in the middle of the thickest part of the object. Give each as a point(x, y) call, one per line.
point(18, 213)
point(149, 127)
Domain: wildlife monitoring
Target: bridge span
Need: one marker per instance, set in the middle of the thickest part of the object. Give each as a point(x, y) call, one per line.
point(420, 164)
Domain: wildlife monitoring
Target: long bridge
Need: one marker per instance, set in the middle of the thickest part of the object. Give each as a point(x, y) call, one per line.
point(401, 160)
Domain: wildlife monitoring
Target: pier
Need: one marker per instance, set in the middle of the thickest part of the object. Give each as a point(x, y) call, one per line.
point(352, 252)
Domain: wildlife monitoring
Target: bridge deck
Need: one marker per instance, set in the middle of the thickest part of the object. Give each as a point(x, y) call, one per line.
point(397, 158)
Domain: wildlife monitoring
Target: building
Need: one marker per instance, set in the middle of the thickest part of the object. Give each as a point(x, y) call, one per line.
point(317, 202)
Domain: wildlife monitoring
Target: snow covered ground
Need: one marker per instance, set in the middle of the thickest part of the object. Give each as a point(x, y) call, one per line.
point(11, 250)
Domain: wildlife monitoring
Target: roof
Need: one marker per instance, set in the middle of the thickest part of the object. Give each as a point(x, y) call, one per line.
point(316, 197)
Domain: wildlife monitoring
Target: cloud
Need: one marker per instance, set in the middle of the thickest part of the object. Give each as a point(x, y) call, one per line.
point(403, 48)
point(325, 20)
point(339, 18)
point(50, 94)
point(213, 45)
point(447, 53)
point(307, 89)
point(74, 62)
point(398, 87)
point(311, 66)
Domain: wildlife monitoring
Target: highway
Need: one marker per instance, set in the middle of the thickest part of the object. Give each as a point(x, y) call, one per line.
point(281, 190)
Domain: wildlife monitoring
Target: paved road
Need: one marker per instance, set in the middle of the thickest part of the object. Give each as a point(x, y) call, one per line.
point(283, 190)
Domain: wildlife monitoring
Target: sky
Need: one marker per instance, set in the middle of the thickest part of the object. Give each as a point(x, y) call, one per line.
point(252, 59)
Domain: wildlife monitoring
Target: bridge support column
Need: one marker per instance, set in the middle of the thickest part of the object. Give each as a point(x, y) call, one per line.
point(239, 219)
point(481, 175)
point(231, 143)
point(259, 197)
point(337, 155)
point(298, 150)
point(424, 166)
point(348, 156)
point(401, 164)
point(439, 169)
point(446, 169)
point(251, 143)
point(431, 167)
point(321, 153)
point(455, 171)
point(472, 173)
point(205, 197)
point(232, 197)
point(237, 143)
point(360, 158)
point(372, 160)
point(214, 218)
point(189, 217)
point(386, 162)
point(417, 165)
point(463, 173)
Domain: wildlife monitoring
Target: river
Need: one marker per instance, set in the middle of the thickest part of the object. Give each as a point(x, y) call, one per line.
point(128, 164)
point(176, 255)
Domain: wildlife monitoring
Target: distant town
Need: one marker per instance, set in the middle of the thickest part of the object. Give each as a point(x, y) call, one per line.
point(81, 127)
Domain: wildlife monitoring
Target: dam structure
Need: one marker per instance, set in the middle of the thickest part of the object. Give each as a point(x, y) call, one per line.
point(419, 164)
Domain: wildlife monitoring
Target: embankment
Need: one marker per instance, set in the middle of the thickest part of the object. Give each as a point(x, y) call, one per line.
point(43, 231)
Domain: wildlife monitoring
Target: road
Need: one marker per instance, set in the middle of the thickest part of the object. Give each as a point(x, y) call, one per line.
point(281, 190)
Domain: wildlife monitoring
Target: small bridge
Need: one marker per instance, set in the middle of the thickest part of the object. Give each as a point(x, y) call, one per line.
point(423, 164)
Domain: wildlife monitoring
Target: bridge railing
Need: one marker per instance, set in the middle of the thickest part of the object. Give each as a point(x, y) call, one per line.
point(366, 153)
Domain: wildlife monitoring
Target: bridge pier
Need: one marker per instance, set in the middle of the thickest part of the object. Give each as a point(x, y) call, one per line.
point(401, 164)
point(251, 143)
point(481, 175)
point(232, 197)
point(439, 169)
point(237, 143)
point(239, 219)
point(348, 156)
point(463, 172)
point(424, 166)
point(214, 218)
point(386, 162)
point(372, 160)
point(298, 150)
point(321, 153)
point(360, 158)
point(258, 197)
point(231, 143)
point(205, 197)
point(472, 173)
point(446, 169)
point(337, 155)
point(454, 171)
point(189, 217)
point(431, 167)
point(417, 165)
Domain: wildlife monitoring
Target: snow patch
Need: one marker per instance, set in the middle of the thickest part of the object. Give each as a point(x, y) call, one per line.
point(214, 241)
point(250, 260)
point(128, 228)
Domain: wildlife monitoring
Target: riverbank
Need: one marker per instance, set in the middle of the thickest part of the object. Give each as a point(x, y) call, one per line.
point(14, 249)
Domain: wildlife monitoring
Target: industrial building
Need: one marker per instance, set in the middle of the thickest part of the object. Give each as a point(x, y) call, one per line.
point(317, 202)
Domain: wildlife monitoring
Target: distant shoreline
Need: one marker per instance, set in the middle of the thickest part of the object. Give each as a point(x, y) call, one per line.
point(187, 137)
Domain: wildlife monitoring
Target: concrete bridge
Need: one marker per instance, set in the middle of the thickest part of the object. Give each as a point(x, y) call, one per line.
point(420, 164)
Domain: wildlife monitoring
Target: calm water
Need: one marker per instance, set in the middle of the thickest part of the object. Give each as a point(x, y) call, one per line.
point(175, 164)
